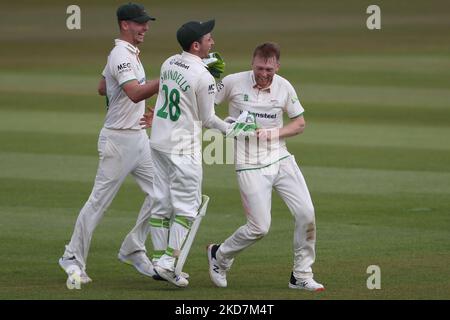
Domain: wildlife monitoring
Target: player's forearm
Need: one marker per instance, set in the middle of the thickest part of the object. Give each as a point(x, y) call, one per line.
point(137, 92)
point(205, 103)
point(293, 128)
point(147, 90)
point(153, 87)
point(214, 122)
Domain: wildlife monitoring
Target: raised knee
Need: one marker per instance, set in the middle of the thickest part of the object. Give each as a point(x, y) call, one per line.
point(259, 231)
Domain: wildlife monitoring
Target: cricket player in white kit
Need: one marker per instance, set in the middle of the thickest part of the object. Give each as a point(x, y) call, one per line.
point(185, 104)
point(263, 163)
point(123, 147)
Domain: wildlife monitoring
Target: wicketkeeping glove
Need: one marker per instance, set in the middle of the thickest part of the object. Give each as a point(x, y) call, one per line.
point(245, 125)
point(215, 63)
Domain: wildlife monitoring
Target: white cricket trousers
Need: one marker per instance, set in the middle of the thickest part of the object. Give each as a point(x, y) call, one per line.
point(121, 152)
point(176, 198)
point(256, 192)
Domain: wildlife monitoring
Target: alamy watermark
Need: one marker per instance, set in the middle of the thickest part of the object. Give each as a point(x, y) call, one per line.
point(373, 22)
point(215, 149)
point(73, 21)
point(374, 280)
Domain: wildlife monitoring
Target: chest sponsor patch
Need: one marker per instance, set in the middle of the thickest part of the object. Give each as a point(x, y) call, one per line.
point(263, 115)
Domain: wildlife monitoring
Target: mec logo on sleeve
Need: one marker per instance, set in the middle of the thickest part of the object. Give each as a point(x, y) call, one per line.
point(126, 66)
point(212, 88)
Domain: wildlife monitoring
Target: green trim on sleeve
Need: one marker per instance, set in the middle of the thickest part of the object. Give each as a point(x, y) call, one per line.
point(120, 85)
point(299, 115)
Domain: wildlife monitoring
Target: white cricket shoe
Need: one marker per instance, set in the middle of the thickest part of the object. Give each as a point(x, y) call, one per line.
point(158, 277)
point(140, 261)
point(68, 264)
point(184, 275)
point(170, 276)
point(216, 273)
point(308, 284)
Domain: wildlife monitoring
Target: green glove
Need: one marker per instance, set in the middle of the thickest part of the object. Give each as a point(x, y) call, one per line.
point(215, 63)
point(245, 125)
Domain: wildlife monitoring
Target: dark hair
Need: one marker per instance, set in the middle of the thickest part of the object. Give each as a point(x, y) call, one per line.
point(267, 50)
point(187, 47)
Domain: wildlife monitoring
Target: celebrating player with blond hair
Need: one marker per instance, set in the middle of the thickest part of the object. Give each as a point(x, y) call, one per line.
point(263, 163)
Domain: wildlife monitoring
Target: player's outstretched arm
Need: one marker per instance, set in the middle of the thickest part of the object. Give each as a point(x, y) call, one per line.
point(137, 92)
point(206, 91)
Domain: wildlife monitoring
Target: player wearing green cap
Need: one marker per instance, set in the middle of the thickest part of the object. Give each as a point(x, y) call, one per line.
point(123, 147)
point(185, 104)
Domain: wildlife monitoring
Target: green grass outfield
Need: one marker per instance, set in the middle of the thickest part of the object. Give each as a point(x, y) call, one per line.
point(376, 151)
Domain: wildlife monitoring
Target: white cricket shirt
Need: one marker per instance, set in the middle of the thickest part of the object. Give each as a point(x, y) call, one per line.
point(123, 65)
point(185, 103)
point(268, 105)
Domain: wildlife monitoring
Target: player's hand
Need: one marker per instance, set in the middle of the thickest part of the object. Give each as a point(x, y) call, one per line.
point(268, 134)
point(245, 125)
point(215, 63)
point(147, 118)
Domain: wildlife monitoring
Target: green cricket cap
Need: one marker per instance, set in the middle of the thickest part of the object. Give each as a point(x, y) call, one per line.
point(134, 12)
point(192, 31)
